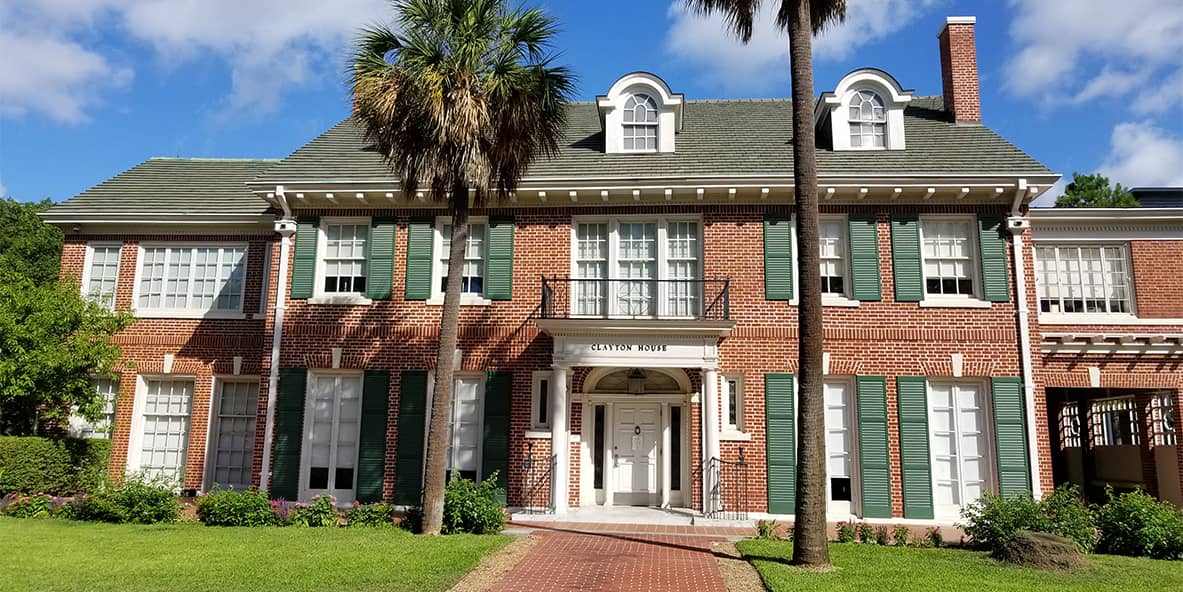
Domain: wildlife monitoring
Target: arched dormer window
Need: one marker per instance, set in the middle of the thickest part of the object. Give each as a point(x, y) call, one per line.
point(868, 120)
point(640, 123)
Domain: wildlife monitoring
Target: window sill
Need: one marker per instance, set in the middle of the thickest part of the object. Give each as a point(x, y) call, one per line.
point(734, 436)
point(538, 434)
point(187, 314)
point(1046, 318)
point(954, 303)
point(839, 301)
point(341, 300)
point(465, 300)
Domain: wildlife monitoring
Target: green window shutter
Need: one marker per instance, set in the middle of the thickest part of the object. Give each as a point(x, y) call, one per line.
point(1010, 436)
point(995, 279)
point(289, 433)
point(864, 257)
point(412, 426)
point(905, 258)
point(371, 442)
point(420, 242)
point(778, 257)
point(304, 263)
point(495, 424)
point(499, 260)
point(912, 402)
point(381, 259)
point(781, 443)
point(874, 460)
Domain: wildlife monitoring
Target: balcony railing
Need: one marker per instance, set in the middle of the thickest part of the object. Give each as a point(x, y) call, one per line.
point(574, 298)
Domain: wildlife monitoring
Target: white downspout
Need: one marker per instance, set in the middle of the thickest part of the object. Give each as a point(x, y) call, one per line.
point(286, 227)
point(1017, 224)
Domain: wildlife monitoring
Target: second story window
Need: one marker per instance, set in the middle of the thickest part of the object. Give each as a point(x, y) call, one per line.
point(948, 246)
point(472, 280)
point(868, 120)
point(640, 124)
point(190, 280)
point(345, 257)
point(832, 239)
point(102, 274)
point(1079, 279)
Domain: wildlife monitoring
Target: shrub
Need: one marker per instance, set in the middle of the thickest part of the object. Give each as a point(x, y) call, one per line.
point(766, 530)
point(994, 521)
point(881, 536)
point(226, 507)
point(376, 514)
point(58, 466)
point(901, 534)
point(321, 512)
point(137, 499)
point(41, 505)
point(1137, 524)
point(846, 532)
point(471, 507)
point(866, 533)
point(1069, 517)
point(934, 537)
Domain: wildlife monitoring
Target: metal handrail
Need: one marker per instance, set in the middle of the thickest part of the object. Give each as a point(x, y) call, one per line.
point(536, 482)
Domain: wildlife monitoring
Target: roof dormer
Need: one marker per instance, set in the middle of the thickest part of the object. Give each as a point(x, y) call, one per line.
point(865, 111)
point(640, 115)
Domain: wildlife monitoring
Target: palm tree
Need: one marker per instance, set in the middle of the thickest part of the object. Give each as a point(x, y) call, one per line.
point(461, 100)
point(801, 19)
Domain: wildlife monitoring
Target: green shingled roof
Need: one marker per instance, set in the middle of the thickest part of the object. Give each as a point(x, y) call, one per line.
point(719, 139)
point(173, 187)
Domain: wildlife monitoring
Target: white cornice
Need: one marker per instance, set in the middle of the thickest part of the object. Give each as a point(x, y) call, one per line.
point(1106, 224)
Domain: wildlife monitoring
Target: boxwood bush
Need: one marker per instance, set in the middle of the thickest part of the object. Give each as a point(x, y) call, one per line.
point(993, 522)
point(1136, 524)
point(227, 507)
point(57, 466)
point(137, 499)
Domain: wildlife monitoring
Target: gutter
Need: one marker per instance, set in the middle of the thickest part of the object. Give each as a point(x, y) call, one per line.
point(1016, 223)
point(286, 227)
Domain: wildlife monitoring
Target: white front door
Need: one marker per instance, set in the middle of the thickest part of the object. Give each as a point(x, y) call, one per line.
point(839, 448)
point(960, 445)
point(331, 425)
point(634, 454)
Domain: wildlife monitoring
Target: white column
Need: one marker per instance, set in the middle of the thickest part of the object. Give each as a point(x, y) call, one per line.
point(665, 455)
point(710, 427)
point(560, 409)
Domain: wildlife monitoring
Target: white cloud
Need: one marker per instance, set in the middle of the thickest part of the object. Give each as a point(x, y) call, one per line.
point(3, 189)
point(706, 42)
point(1142, 154)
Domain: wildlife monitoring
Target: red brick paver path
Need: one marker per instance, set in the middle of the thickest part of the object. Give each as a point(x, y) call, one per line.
point(568, 560)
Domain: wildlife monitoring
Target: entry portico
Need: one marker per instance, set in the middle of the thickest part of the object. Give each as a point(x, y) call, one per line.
point(636, 402)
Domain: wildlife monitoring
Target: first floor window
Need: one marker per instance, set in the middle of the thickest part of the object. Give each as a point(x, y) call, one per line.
point(541, 406)
point(165, 439)
point(345, 257)
point(948, 248)
point(472, 279)
point(108, 390)
point(832, 240)
point(960, 444)
point(733, 403)
point(1083, 279)
point(1114, 422)
point(196, 279)
point(464, 427)
point(332, 426)
point(839, 439)
point(102, 274)
point(236, 404)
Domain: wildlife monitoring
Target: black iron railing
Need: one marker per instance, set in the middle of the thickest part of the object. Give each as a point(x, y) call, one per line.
point(573, 298)
point(726, 488)
point(535, 488)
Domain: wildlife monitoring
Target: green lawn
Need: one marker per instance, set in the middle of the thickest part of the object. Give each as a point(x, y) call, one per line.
point(870, 567)
point(58, 555)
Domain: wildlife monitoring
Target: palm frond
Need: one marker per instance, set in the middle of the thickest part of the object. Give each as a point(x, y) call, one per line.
point(739, 15)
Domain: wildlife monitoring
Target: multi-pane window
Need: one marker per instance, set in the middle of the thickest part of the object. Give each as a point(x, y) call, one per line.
point(473, 278)
point(1162, 419)
point(102, 275)
point(464, 427)
point(948, 248)
point(733, 403)
point(839, 440)
point(195, 279)
point(868, 120)
point(234, 432)
point(165, 438)
point(345, 258)
point(640, 123)
point(832, 241)
point(108, 390)
point(332, 426)
point(637, 268)
point(960, 446)
point(682, 264)
point(1114, 422)
point(1075, 279)
point(591, 266)
point(636, 265)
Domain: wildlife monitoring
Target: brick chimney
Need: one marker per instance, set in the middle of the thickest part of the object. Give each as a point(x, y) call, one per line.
point(959, 69)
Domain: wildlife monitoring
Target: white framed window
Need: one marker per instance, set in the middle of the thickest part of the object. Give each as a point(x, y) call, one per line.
point(1078, 279)
point(234, 409)
point(540, 401)
point(162, 442)
point(472, 282)
point(108, 390)
point(733, 403)
point(960, 440)
point(465, 426)
point(868, 120)
point(949, 248)
point(1162, 419)
point(342, 249)
point(636, 267)
point(640, 124)
point(841, 446)
point(835, 258)
point(332, 426)
point(100, 273)
point(190, 280)
point(1114, 422)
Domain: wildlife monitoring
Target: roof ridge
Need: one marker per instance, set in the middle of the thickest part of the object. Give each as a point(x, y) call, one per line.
point(211, 159)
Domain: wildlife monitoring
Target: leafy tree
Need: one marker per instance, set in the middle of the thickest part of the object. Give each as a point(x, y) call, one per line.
point(801, 19)
point(1094, 191)
point(462, 100)
point(51, 340)
point(29, 246)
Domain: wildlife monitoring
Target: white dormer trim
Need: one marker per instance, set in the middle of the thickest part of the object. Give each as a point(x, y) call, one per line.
point(836, 104)
point(611, 108)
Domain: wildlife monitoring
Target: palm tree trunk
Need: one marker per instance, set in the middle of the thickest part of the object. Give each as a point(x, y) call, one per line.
point(441, 402)
point(809, 528)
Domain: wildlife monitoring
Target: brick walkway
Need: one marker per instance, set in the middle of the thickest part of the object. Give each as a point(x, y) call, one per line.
point(569, 560)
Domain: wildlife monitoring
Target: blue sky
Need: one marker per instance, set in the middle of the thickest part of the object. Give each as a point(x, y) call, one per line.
point(89, 88)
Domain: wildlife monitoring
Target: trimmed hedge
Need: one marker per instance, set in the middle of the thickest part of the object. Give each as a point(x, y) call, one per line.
point(59, 466)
